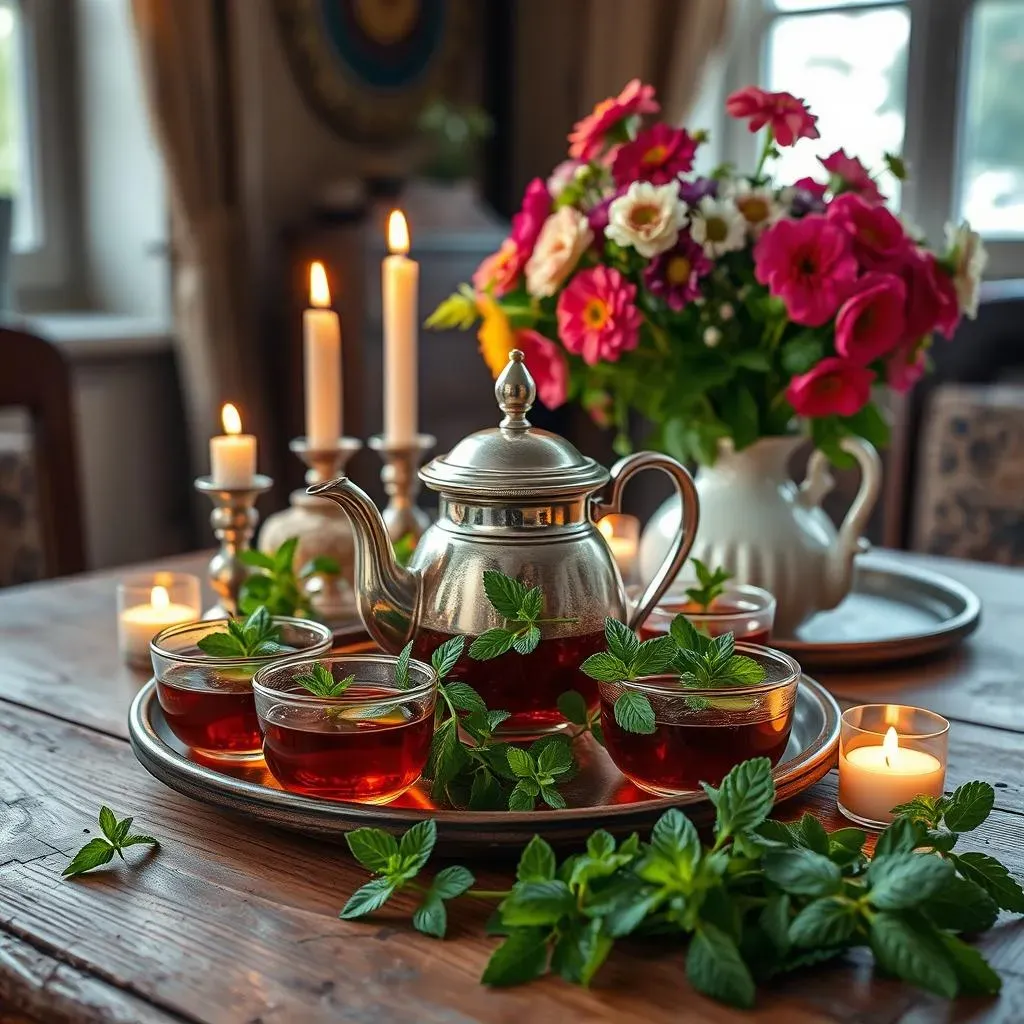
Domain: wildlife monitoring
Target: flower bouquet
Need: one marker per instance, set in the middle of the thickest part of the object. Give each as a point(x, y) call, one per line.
point(727, 306)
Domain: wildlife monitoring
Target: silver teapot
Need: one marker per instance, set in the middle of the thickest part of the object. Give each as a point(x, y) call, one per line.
point(520, 500)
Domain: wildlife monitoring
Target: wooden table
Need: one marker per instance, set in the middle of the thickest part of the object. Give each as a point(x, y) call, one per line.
point(231, 922)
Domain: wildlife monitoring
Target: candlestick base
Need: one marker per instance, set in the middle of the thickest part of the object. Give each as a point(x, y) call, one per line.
point(323, 530)
point(406, 522)
point(234, 519)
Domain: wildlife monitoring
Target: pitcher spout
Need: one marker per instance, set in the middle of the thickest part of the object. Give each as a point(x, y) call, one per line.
point(387, 594)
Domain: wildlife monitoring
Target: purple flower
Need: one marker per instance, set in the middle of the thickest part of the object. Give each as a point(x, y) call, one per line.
point(674, 276)
point(692, 192)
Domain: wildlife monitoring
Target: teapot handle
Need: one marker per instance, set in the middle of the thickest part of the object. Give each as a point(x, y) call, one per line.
point(621, 473)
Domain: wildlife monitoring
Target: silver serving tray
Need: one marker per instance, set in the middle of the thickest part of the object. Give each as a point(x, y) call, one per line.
point(599, 797)
point(892, 613)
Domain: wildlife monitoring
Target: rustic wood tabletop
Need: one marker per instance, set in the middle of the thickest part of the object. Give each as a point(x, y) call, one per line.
point(233, 922)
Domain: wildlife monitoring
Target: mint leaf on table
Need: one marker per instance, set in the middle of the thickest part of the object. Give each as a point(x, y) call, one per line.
point(714, 966)
point(368, 898)
point(973, 974)
point(745, 798)
point(909, 947)
point(374, 848)
point(829, 921)
point(968, 807)
point(537, 862)
point(961, 906)
point(802, 872)
point(101, 851)
point(993, 877)
point(523, 956)
point(901, 880)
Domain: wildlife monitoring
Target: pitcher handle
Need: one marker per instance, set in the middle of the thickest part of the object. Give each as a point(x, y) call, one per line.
point(867, 494)
point(622, 472)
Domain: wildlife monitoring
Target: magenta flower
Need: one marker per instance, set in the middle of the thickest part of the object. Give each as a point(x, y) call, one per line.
point(548, 366)
point(835, 387)
point(815, 188)
point(658, 155)
point(588, 136)
point(788, 117)
point(906, 366)
point(931, 296)
point(853, 175)
point(808, 263)
point(499, 273)
point(597, 315)
point(879, 241)
point(871, 322)
point(674, 276)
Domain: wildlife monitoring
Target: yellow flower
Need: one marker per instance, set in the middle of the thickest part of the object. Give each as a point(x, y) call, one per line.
point(496, 336)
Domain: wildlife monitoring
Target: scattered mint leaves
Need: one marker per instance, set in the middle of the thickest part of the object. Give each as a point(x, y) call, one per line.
point(274, 583)
point(320, 681)
point(710, 584)
point(521, 607)
point(766, 898)
point(101, 851)
point(256, 637)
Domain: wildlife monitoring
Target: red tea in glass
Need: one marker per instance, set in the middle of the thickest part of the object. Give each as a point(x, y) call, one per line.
point(210, 713)
point(527, 685)
point(746, 612)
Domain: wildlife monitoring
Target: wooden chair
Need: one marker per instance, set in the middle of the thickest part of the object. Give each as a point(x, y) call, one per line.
point(34, 376)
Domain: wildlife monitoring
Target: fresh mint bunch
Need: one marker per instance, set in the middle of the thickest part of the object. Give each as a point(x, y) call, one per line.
point(320, 682)
point(710, 584)
point(275, 584)
point(763, 899)
point(256, 637)
point(521, 607)
point(100, 851)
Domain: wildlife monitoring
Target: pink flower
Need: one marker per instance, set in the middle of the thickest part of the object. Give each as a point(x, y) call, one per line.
point(499, 273)
point(526, 224)
point(658, 155)
point(931, 296)
point(588, 135)
point(870, 323)
point(808, 264)
point(835, 387)
point(674, 276)
point(788, 118)
point(879, 241)
point(906, 366)
point(562, 176)
point(597, 315)
point(815, 188)
point(547, 365)
point(853, 175)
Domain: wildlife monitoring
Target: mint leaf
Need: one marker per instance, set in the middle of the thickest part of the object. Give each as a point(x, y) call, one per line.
point(745, 797)
point(321, 682)
point(711, 583)
point(573, 708)
point(653, 656)
point(137, 840)
point(368, 898)
point(813, 834)
point(521, 763)
point(220, 645)
point(802, 872)
point(774, 919)
point(714, 966)
point(969, 806)
point(536, 903)
point(902, 880)
point(686, 636)
point(961, 906)
point(452, 881)
point(464, 697)
point(256, 559)
point(430, 917)
point(526, 640)
point(623, 643)
point(537, 863)
point(675, 838)
point(605, 668)
point(555, 757)
point(95, 852)
point(523, 796)
point(492, 644)
point(532, 603)
point(320, 565)
point(922, 808)
point(284, 556)
point(523, 956)
point(122, 829)
point(633, 712)
point(580, 951)
point(987, 872)
point(973, 973)
point(903, 835)
point(447, 655)
point(552, 798)
point(742, 671)
point(908, 947)
point(402, 667)
point(825, 922)
point(505, 594)
point(374, 848)
point(108, 822)
point(416, 846)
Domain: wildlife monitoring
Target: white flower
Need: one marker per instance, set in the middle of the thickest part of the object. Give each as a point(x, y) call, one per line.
point(969, 258)
point(648, 218)
point(712, 336)
point(717, 225)
point(562, 241)
point(757, 204)
point(726, 312)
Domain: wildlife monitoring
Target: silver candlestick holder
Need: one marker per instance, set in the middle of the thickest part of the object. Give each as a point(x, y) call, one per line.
point(234, 519)
point(403, 518)
point(323, 530)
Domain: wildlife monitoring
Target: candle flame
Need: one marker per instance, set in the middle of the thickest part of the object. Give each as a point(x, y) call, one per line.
point(890, 746)
point(398, 233)
point(606, 528)
point(231, 420)
point(159, 598)
point(319, 292)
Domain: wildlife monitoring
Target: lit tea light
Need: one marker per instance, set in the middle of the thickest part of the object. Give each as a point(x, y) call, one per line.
point(909, 761)
point(142, 613)
point(622, 535)
point(232, 454)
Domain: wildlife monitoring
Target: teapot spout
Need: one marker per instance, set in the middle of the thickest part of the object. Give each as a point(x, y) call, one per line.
point(388, 595)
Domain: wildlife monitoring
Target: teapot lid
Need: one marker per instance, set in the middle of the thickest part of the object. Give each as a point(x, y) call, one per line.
point(514, 460)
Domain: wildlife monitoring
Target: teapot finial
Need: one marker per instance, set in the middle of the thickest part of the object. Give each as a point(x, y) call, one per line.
point(515, 392)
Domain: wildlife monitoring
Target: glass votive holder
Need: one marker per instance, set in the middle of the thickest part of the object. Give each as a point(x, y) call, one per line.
point(369, 743)
point(699, 735)
point(207, 701)
point(149, 603)
point(746, 611)
point(622, 535)
point(888, 754)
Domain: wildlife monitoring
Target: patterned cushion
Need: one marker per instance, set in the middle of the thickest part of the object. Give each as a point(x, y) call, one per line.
point(970, 496)
point(21, 544)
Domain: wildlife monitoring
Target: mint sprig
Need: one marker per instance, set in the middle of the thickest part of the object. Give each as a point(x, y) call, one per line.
point(320, 681)
point(764, 899)
point(710, 663)
point(256, 637)
point(521, 607)
point(101, 851)
point(710, 584)
point(274, 582)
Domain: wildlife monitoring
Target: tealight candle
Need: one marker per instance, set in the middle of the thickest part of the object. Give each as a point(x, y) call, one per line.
point(622, 535)
point(888, 754)
point(232, 454)
point(148, 604)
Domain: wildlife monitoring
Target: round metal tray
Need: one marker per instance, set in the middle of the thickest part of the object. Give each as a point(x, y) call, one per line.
point(598, 797)
point(892, 613)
